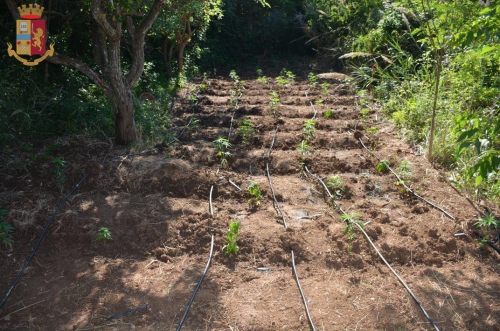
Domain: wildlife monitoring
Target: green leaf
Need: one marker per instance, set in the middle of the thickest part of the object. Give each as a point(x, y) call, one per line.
point(479, 180)
point(487, 49)
point(467, 134)
point(477, 144)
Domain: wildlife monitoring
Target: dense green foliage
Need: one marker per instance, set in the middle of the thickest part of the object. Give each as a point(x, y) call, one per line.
point(399, 49)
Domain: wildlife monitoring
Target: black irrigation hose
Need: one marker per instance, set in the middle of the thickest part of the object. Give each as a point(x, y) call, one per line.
point(379, 254)
point(128, 312)
point(488, 242)
point(406, 186)
point(276, 204)
point(309, 318)
point(35, 248)
point(197, 286)
point(206, 268)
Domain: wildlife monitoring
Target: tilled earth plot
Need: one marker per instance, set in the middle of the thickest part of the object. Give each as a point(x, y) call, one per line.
point(288, 135)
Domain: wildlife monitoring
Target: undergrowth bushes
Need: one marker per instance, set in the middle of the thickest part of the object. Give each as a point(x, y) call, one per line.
point(399, 53)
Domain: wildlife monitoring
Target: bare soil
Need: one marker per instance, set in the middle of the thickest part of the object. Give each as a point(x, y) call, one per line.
point(156, 206)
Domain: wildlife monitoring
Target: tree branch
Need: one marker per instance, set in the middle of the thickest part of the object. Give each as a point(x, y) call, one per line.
point(137, 67)
point(82, 67)
point(100, 17)
point(151, 17)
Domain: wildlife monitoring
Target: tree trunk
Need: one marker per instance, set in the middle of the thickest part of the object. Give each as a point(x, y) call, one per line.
point(167, 52)
point(180, 57)
point(125, 132)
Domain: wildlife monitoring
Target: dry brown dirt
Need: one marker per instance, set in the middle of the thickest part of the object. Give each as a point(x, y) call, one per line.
point(157, 208)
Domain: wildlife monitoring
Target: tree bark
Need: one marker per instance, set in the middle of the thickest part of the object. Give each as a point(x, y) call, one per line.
point(168, 46)
point(183, 38)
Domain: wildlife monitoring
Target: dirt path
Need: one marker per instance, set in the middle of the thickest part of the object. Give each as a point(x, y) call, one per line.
point(157, 209)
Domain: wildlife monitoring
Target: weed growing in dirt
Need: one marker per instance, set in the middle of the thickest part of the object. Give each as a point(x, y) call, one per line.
point(405, 167)
point(371, 130)
point(58, 170)
point(319, 101)
point(328, 113)
point(232, 235)
point(336, 185)
point(363, 114)
point(221, 146)
point(382, 166)
point(309, 128)
point(246, 131)
point(103, 234)
point(313, 79)
point(255, 194)
point(5, 230)
point(351, 221)
point(487, 222)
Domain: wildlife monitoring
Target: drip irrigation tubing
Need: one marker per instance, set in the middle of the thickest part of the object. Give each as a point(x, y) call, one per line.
point(488, 242)
point(314, 108)
point(211, 211)
point(295, 274)
point(404, 184)
point(198, 285)
point(37, 245)
point(379, 254)
point(128, 312)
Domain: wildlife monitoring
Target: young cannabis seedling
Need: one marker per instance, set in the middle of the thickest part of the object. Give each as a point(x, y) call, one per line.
point(246, 131)
point(255, 194)
point(324, 87)
point(232, 235)
point(328, 113)
point(313, 79)
point(234, 76)
point(103, 234)
point(286, 77)
point(234, 97)
point(351, 221)
point(382, 166)
point(336, 185)
point(275, 101)
point(303, 147)
point(487, 222)
point(221, 146)
point(261, 78)
point(5, 230)
point(309, 128)
point(371, 130)
point(194, 123)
